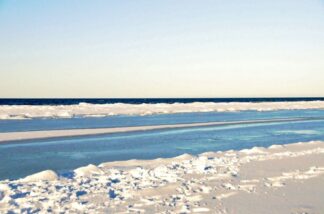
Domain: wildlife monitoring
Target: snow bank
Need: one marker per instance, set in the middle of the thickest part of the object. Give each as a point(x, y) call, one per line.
point(210, 182)
point(47, 175)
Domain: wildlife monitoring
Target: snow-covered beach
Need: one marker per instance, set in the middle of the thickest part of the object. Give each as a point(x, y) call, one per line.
point(161, 107)
point(278, 179)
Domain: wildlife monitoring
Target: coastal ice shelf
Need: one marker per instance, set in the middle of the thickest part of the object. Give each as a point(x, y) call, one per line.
point(102, 110)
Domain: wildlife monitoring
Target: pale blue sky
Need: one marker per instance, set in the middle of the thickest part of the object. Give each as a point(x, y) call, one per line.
point(166, 48)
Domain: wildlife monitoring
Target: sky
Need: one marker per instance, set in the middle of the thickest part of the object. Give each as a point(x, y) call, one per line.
point(166, 48)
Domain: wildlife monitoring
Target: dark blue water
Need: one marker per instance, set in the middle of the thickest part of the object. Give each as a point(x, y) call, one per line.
point(69, 101)
point(19, 159)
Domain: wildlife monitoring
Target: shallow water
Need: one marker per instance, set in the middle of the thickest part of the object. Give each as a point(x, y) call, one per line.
point(23, 158)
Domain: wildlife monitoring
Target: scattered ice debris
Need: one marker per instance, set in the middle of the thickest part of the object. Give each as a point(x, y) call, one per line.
point(187, 184)
point(102, 110)
point(88, 170)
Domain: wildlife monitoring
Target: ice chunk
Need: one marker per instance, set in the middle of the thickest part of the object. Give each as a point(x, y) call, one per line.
point(47, 175)
point(87, 170)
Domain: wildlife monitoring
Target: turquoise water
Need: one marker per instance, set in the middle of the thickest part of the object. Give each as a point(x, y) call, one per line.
point(18, 159)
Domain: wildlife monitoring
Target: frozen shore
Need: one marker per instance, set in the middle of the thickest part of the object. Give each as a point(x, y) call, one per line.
point(101, 110)
point(278, 179)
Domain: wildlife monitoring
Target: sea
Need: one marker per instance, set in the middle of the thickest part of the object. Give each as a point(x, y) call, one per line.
point(73, 101)
point(25, 157)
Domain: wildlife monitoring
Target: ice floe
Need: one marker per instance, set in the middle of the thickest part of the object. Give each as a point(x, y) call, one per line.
point(101, 110)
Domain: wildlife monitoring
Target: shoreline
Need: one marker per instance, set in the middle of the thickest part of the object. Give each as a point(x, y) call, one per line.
point(281, 179)
point(7, 137)
point(9, 112)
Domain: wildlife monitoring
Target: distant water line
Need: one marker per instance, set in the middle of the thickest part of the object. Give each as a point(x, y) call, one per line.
point(75, 101)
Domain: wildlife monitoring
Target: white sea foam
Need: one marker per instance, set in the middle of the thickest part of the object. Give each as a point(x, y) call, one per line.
point(102, 110)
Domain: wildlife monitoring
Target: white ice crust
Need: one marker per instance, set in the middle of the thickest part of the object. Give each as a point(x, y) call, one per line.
point(102, 110)
point(222, 182)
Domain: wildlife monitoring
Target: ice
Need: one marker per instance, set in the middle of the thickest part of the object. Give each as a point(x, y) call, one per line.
point(102, 110)
point(47, 175)
point(185, 183)
point(87, 170)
